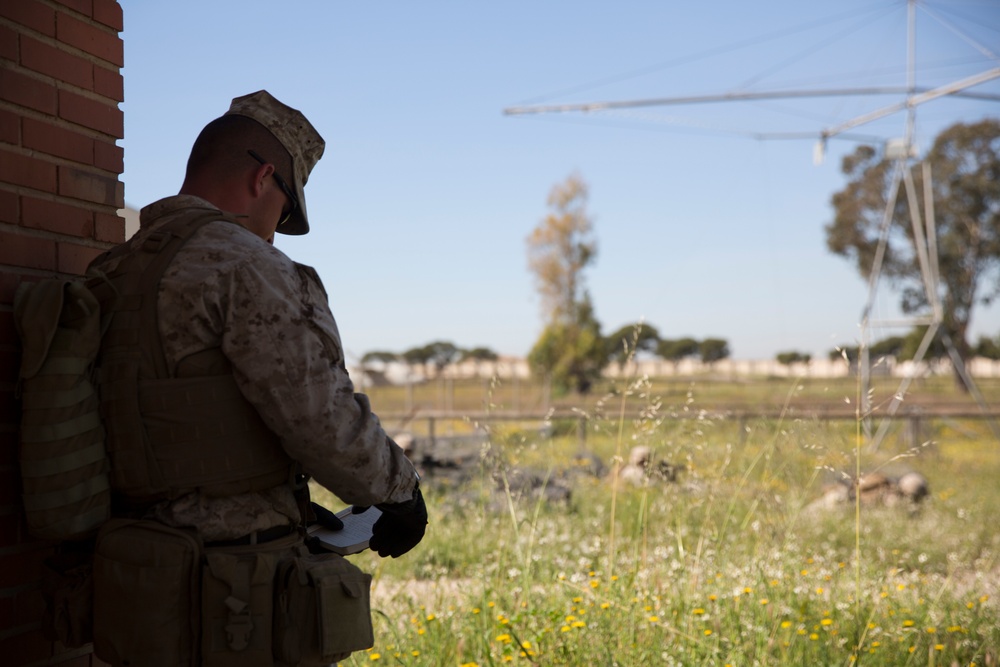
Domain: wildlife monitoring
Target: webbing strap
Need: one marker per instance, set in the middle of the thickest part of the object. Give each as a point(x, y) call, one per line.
point(62, 430)
point(75, 524)
point(64, 366)
point(37, 502)
point(71, 461)
point(57, 398)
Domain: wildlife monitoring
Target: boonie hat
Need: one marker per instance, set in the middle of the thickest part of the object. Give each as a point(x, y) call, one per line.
point(299, 138)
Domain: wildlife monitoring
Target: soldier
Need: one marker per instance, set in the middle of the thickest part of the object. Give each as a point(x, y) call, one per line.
point(240, 386)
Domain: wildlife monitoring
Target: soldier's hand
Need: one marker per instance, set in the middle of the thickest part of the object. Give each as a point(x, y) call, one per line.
point(401, 526)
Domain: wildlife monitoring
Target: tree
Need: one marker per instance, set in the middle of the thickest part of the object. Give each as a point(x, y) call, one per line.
point(630, 340)
point(792, 357)
point(676, 350)
point(570, 349)
point(381, 356)
point(713, 349)
point(911, 343)
point(478, 355)
point(988, 348)
point(965, 183)
point(571, 354)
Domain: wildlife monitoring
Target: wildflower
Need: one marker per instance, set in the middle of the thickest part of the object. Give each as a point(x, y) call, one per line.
point(826, 621)
point(654, 619)
point(814, 636)
point(819, 590)
point(939, 647)
point(431, 617)
point(707, 632)
point(786, 624)
point(712, 597)
point(415, 653)
point(764, 601)
point(984, 598)
point(564, 628)
point(931, 631)
point(503, 639)
point(476, 610)
point(577, 599)
point(955, 628)
point(579, 624)
point(907, 623)
point(747, 590)
point(420, 631)
point(375, 656)
point(698, 612)
point(594, 583)
point(605, 605)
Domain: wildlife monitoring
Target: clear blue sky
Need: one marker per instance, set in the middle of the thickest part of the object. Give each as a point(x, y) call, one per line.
point(421, 205)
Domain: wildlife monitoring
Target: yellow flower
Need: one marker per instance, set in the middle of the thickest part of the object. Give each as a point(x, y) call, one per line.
point(375, 656)
point(819, 590)
point(764, 601)
point(876, 644)
point(804, 572)
point(595, 583)
point(415, 654)
point(564, 628)
point(431, 617)
point(614, 577)
point(939, 647)
point(931, 631)
point(525, 644)
point(984, 598)
point(605, 605)
point(747, 590)
point(503, 639)
point(907, 623)
point(421, 631)
point(786, 624)
point(577, 599)
point(654, 619)
point(579, 624)
point(712, 598)
point(826, 621)
point(698, 612)
point(476, 610)
point(955, 628)
point(708, 632)
point(814, 636)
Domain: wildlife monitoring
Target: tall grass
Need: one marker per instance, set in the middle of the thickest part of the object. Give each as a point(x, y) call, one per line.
point(729, 565)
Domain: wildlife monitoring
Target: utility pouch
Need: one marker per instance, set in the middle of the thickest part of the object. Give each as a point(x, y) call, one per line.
point(322, 610)
point(237, 602)
point(68, 589)
point(146, 586)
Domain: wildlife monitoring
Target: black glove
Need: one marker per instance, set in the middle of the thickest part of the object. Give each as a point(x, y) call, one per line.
point(325, 517)
point(400, 527)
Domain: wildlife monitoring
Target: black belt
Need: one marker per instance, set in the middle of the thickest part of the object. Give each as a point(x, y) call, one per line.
point(256, 537)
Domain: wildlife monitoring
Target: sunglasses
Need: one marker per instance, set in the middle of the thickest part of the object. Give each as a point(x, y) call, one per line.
point(284, 188)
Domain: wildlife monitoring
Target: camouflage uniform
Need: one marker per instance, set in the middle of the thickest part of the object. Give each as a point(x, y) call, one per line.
point(228, 289)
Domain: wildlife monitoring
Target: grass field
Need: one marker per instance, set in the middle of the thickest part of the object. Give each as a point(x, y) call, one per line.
point(728, 565)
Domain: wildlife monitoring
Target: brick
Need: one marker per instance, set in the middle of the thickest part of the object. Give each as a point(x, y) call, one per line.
point(10, 209)
point(10, 529)
point(109, 228)
point(31, 172)
point(27, 92)
point(58, 141)
point(10, 127)
point(88, 186)
point(8, 44)
point(109, 12)
point(100, 116)
point(61, 65)
point(9, 280)
point(27, 252)
point(31, 14)
point(109, 83)
point(57, 217)
point(85, 7)
point(22, 649)
point(74, 258)
point(110, 156)
point(105, 44)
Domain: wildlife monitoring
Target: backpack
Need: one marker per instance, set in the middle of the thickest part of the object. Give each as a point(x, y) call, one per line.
point(64, 465)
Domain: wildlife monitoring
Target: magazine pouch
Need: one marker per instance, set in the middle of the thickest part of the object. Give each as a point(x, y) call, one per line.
point(322, 610)
point(237, 603)
point(146, 594)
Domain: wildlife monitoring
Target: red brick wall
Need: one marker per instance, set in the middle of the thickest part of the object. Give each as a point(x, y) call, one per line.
point(60, 85)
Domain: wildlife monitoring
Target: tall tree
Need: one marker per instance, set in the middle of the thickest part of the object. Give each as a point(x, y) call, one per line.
point(559, 249)
point(965, 183)
point(675, 351)
point(630, 340)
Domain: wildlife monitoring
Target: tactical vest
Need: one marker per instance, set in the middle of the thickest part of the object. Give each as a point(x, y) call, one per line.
point(168, 435)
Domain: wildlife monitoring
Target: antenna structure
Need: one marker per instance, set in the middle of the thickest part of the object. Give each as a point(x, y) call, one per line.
point(904, 155)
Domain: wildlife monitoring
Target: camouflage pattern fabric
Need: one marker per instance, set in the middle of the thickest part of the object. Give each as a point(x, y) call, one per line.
point(229, 290)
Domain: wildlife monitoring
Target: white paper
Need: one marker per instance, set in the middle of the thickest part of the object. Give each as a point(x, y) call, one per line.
point(354, 536)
